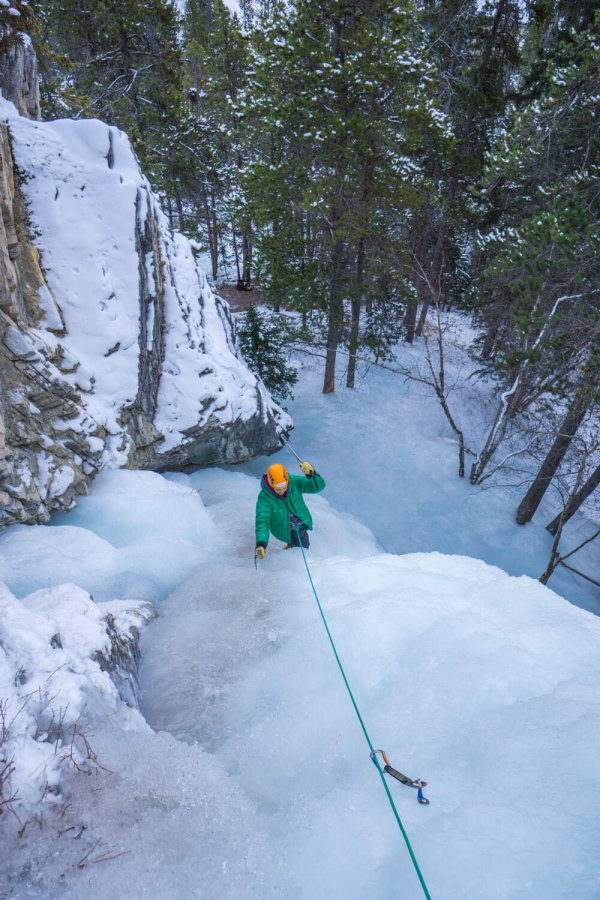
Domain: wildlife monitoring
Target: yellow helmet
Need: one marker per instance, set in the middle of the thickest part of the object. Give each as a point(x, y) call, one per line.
point(277, 475)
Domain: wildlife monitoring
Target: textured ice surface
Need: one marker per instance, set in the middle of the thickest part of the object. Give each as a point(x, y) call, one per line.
point(486, 685)
point(137, 535)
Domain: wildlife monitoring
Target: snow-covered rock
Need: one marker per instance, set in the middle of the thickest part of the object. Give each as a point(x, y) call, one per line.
point(58, 651)
point(114, 351)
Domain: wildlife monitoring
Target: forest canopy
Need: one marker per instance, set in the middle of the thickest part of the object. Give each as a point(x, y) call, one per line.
point(372, 165)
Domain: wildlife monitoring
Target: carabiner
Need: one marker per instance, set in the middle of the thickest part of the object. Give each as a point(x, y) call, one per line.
point(417, 783)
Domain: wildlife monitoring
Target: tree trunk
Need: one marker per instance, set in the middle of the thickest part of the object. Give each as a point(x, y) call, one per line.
point(236, 254)
point(170, 213)
point(329, 376)
point(216, 230)
point(410, 321)
point(554, 457)
point(489, 340)
point(510, 399)
point(212, 230)
point(179, 204)
point(506, 411)
point(422, 320)
point(246, 257)
point(210, 233)
point(553, 561)
point(356, 306)
point(575, 501)
point(336, 310)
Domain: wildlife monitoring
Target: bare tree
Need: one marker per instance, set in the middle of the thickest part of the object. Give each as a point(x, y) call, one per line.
point(8, 796)
point(435, 353)
point(562, 441)
point(557, 558)
point(587, 451)
point(574, 501)
point(512, 399)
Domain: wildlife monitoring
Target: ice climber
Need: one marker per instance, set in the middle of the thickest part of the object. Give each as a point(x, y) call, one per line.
point(280, 506)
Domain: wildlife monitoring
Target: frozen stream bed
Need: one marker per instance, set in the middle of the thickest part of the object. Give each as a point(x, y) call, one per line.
point(249, 776)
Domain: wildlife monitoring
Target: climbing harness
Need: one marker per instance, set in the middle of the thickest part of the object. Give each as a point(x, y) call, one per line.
point(417, 783)
point(373, 752)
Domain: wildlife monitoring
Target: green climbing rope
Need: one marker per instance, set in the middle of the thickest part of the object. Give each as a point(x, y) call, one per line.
point(365, 732)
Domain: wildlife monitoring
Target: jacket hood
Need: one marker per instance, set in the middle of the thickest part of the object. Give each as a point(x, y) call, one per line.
point(269, 489)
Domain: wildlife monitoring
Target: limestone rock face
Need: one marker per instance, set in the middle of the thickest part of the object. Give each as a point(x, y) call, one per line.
point(19, 80)
point(45, 458)
point(114, 351)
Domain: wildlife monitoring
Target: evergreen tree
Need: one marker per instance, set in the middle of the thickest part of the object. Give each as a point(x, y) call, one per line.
point(263, 348)
point(475, 49)
point(540, 259)
point(16, 18)
point(120, 62)
point(340, 98)
point(214, 145)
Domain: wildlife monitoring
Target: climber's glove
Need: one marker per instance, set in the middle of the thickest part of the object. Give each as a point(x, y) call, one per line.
point(261, 552)
point(307, 468)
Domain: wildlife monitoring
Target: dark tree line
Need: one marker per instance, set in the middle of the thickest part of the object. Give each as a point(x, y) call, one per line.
point(373, 165)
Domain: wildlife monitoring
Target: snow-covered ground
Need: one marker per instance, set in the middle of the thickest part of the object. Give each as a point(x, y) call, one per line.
point(256, 779)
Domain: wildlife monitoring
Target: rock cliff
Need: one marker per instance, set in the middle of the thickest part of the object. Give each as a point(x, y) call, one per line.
point(19, 72)
point(113, 349)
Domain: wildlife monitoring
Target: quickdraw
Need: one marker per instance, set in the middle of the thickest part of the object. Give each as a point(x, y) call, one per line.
point(417, 783)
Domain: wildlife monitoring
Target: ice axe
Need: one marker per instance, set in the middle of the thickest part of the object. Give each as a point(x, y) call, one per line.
point(291, 449)
point(301, 461)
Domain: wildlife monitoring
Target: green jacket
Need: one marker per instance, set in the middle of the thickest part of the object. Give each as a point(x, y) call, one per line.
point(273, 512)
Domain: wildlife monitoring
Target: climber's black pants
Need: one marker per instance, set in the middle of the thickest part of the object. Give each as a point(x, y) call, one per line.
point(303, 537)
